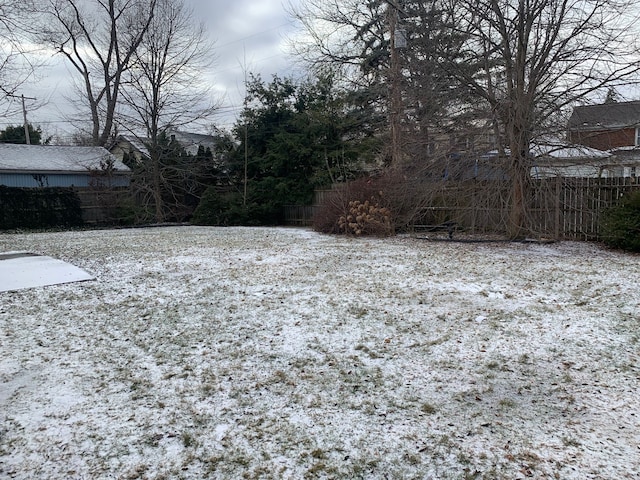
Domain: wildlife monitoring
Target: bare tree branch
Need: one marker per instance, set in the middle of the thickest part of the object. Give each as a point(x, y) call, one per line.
point(537, 57)
point(16, 65)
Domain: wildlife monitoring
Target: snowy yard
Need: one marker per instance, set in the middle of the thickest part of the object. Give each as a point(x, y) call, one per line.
point(281, 353)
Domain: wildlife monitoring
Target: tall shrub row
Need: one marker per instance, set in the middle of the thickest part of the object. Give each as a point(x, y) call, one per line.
point(39, 208)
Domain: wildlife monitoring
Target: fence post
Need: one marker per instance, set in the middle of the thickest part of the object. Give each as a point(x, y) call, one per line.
point(556, 226)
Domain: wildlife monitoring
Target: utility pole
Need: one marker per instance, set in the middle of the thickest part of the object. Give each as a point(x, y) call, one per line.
point(246, 133)
point(24, 116)
point(397, 40)
point(26, 124)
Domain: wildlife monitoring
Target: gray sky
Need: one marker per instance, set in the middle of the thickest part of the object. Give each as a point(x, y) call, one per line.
point(251, 34)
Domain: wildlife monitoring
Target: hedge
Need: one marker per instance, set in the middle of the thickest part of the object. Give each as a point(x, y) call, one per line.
point(39, 207)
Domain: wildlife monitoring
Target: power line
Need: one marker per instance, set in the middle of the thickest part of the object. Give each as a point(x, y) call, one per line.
point(242, 39)
point(230, 109)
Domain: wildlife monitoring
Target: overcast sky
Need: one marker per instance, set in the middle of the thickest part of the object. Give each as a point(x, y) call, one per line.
point(248, 34)
point(251, 33)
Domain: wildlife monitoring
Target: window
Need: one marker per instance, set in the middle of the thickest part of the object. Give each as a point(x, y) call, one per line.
point(637, 137)
point(616, 172)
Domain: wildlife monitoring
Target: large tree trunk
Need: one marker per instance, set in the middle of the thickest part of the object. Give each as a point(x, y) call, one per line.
point(518, 226)
point(157, 188)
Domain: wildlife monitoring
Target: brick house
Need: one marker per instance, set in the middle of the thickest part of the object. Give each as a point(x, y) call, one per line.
point(610, 127)
point(607, 126)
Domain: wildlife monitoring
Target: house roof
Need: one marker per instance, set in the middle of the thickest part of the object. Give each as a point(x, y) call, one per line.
point(47, 158)
point(627, 155)
point(136, 143)
point(559, 150)
point(566, 151)
point(608, 116)
point(189, 141)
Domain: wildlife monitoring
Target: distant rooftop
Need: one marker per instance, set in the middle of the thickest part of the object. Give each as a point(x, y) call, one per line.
point(605, 116)
point(189, 141)
point(559, 150)
point(48, 158)
point(566, 151)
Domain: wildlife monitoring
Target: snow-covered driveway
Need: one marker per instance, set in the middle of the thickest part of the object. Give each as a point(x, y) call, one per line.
point(282, 353)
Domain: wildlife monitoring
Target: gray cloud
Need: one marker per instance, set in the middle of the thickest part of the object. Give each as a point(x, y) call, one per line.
point(250, 35)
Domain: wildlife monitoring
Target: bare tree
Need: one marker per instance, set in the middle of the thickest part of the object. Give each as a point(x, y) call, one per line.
point(506, 70)
point(99, 38)
point(166, 90)
point(534, 58)
point(395, 51)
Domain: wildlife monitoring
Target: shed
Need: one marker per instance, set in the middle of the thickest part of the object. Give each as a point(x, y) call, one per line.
point(34, 166)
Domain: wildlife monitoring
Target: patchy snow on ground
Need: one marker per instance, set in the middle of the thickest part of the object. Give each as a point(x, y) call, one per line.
point(281, 353)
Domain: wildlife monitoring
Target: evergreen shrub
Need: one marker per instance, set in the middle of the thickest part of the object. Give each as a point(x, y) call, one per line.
point(219, 209)
point(39, 208)
point(620, 225)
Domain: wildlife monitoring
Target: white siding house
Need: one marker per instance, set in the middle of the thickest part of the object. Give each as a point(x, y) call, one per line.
point(136, 147)
point(559, 159)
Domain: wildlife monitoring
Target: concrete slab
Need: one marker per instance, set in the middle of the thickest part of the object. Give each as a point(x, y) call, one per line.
point(20, 270)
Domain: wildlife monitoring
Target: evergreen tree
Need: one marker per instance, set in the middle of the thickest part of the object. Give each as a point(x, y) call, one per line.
point(16, 134)
point(292, 139)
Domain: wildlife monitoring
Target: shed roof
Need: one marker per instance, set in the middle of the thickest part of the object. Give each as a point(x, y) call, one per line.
point(48, 158)
point(605, 116)
point(565, 151)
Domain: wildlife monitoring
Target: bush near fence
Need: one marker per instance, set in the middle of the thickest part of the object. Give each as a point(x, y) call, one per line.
point(39, 207)
point(620, 225)
point(49, 207)
point(107, 206)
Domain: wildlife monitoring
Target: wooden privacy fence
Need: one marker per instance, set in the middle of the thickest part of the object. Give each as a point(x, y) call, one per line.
point(572, 207)
point(561, 207)
point(300, 215)
point(102, 206)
